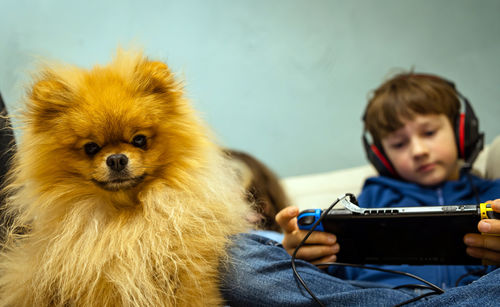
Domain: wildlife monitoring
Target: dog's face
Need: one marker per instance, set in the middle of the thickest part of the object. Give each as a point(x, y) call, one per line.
point(113, 128)
point(120, 158)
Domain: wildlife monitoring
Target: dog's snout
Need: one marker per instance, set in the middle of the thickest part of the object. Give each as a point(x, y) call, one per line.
point(117, 162)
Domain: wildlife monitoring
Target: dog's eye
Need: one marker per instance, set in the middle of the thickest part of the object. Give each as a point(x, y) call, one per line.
point(139, 141)
point(91, 148)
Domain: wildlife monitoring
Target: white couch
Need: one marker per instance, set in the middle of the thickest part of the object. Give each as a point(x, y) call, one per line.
point(320, 190)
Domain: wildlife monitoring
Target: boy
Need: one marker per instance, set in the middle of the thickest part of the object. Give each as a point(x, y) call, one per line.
point(411, 120)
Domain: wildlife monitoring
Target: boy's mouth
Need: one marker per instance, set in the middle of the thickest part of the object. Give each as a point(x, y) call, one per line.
point(426, 167)
point(120, 183)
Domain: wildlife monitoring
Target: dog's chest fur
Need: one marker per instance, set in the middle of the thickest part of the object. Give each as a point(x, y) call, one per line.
point(141, 257)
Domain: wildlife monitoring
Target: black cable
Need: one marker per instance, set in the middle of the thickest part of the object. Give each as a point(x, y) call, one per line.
point(431, 285)
point(436, 289)
point(294, 268)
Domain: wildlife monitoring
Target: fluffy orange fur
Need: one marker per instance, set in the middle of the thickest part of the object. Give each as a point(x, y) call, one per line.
point(85, 234)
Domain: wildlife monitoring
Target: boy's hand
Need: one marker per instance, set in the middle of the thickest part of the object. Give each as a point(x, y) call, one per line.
point(320, 247)
point(485, 246)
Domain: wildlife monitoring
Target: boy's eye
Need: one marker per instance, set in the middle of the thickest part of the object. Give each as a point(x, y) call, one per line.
point(91, 148)
point(430, 132)
point(397, 145)
point(139, 141)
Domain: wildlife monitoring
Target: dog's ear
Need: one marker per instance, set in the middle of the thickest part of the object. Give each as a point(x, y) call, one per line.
point(49, 96)
point(154, 77)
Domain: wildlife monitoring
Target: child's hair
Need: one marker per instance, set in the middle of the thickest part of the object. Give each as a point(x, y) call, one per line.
point(406, 95)
point(264, 190)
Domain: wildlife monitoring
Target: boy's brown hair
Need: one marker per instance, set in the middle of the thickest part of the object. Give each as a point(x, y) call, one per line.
point(406, 95)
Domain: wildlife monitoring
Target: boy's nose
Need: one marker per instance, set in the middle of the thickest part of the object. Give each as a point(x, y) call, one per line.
point(419, 147)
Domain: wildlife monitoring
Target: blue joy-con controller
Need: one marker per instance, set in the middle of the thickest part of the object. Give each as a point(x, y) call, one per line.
point(307, 218)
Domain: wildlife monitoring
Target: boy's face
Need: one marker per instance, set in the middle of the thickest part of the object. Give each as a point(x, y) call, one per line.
point(424, 150)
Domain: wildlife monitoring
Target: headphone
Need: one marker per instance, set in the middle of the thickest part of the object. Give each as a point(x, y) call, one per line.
point(469, 139)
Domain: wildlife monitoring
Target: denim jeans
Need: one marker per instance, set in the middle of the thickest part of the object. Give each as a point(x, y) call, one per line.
point(260, 274)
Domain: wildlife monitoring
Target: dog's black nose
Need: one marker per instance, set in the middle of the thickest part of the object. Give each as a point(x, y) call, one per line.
point(117, 162)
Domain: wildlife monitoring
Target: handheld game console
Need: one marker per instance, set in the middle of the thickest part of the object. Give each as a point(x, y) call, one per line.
point(399, 235)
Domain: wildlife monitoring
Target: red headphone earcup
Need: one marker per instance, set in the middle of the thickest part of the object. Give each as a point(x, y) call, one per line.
point(460, 135)
point(383, 159)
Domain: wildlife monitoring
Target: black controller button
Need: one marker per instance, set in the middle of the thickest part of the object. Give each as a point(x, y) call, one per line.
point(493, 215)
point(307, 220)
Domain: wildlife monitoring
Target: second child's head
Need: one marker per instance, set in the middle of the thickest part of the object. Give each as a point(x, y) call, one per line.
point(412, 117)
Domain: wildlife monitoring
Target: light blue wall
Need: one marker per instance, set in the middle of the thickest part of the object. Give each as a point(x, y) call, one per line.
point(284, 80)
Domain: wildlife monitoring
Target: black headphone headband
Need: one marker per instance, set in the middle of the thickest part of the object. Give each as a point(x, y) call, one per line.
point(469, 139)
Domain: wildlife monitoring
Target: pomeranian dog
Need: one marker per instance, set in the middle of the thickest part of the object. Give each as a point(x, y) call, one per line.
point(118, 193)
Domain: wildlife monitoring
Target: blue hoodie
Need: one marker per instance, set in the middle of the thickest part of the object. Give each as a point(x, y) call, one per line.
point(387, 192)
